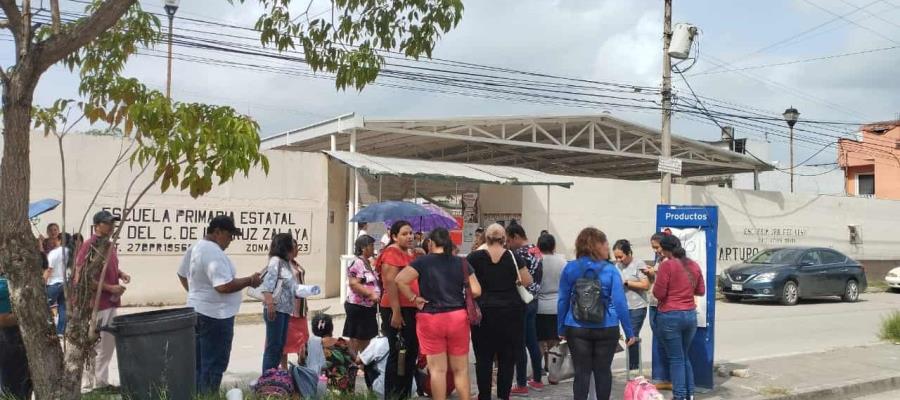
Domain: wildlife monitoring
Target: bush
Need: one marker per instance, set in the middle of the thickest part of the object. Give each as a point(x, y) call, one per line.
point(890, 327)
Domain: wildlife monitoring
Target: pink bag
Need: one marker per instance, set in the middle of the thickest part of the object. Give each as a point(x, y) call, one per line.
point(641, 389)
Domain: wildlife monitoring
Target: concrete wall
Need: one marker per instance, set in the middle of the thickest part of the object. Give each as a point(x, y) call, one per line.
point(295, 188)
point(748, 221)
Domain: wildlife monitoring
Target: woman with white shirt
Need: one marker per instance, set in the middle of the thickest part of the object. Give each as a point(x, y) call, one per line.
point(636, 286)
point(278, 288)
point(549, 295)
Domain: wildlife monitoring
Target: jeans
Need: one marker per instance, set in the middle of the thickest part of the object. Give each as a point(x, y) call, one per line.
point(637, 322)
point(398, 386)
point(677, 329)
point(56, 295)
point(531, 344)
point(661, 375)
point(15, 380)
point(276, 336)
point(592, 354)
point(499, 336)
point(214, 338)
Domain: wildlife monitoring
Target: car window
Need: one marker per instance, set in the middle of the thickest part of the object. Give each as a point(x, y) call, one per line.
point(776, 256)
point(811, 258)
point(832, 257)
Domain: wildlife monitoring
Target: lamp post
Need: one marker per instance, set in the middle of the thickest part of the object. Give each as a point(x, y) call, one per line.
point(171, 7)
point(790, 116)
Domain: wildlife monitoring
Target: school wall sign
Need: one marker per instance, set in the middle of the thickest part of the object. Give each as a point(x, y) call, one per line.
point(172, 230)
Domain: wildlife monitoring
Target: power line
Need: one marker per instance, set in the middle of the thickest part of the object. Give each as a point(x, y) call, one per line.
point(879, 34)
point(521, 90)
point(791, 38)
point(805, 60)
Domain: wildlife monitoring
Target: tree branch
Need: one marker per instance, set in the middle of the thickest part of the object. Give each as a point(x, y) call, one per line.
point(12, 15)
point(54, 12)
point(119, 160)
point(59, 46)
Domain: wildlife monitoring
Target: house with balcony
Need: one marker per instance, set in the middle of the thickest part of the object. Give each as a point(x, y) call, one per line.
point(872, 164)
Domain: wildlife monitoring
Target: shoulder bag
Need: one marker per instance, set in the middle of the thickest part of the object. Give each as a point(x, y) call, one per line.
point(472, 309)
point(526, 296)
point(257, 292)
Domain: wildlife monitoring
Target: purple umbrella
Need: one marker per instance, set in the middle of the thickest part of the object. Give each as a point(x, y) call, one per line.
point(437, 218)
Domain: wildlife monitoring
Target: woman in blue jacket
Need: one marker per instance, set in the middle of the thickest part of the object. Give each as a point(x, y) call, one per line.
point(593, 344)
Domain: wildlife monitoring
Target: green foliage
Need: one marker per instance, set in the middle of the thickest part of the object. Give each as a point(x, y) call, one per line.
point(348, 42)
point(104, 58)
point(890, 327)
point(187, 145)
point(51, 117)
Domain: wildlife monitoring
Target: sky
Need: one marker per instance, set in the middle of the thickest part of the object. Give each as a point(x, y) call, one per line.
point(603, 40)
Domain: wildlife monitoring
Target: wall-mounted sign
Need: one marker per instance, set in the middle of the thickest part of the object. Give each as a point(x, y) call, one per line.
point(171, 230)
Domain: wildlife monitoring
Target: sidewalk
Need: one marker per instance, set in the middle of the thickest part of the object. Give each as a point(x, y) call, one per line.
point(843, 373)
point(838, 374)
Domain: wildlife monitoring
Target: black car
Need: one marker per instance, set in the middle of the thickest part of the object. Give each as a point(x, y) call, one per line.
point(791, 273)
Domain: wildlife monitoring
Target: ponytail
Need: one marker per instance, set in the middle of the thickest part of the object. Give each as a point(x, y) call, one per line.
point(680, 253)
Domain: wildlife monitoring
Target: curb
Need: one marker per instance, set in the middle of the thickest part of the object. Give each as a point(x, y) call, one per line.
point(841, 391)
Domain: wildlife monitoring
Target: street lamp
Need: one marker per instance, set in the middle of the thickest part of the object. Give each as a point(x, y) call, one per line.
point(790, 116)
point(171, 7)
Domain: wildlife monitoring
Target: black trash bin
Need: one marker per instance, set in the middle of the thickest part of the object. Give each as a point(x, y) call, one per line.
point(156, 354)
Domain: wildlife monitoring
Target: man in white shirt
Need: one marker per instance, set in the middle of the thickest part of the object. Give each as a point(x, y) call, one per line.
point(55, 276)
point(214, 291)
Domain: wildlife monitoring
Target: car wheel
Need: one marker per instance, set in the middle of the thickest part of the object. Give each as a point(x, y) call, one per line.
point(790, 294)
point(851, 292)
point(732, 298)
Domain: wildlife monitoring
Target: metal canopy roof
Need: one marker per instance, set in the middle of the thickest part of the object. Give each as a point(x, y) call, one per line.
point(442, 170)
point(586, 145)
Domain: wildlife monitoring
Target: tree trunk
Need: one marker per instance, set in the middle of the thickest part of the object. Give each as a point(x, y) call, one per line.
point(19, 257)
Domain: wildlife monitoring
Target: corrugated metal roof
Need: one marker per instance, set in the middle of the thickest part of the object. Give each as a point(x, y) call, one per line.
point(439, 170)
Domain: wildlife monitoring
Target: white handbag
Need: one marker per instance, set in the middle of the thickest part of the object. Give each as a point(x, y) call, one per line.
point(526, 296)
point(257, 292)
point(559, 363)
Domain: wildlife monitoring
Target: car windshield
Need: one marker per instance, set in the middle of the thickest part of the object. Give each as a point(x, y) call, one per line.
point(776, 256)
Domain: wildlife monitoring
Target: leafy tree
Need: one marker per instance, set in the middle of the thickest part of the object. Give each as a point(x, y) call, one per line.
point(185, 146)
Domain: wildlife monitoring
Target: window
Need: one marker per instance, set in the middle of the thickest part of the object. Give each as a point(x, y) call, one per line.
point(832, 257)
point(740, 146)
point(865, 185)
point(811, 258)
point(776, 256)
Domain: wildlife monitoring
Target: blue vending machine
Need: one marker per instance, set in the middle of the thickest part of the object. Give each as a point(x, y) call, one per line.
point(697, 227)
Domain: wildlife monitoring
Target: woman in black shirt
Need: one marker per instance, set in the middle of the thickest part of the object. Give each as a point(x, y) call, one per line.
point(442, 323)
point(500, 334)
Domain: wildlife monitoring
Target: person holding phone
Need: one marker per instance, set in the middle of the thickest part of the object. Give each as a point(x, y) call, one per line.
point(636, 287)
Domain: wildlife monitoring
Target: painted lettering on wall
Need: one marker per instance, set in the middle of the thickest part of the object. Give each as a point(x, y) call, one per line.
point(776, 235)
point(168, 231)
point(737, 253)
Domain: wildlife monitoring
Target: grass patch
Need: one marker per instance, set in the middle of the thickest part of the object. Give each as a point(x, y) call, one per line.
point(890, 327)
point(774, 391)
point(878, 286)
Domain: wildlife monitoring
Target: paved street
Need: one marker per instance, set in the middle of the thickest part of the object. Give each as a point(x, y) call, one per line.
point(745, 331)
point(893, 395)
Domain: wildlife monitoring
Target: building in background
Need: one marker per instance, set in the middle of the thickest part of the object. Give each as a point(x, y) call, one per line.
point(871, 165)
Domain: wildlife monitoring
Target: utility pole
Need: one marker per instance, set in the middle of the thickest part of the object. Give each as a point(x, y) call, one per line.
point(666, 182)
